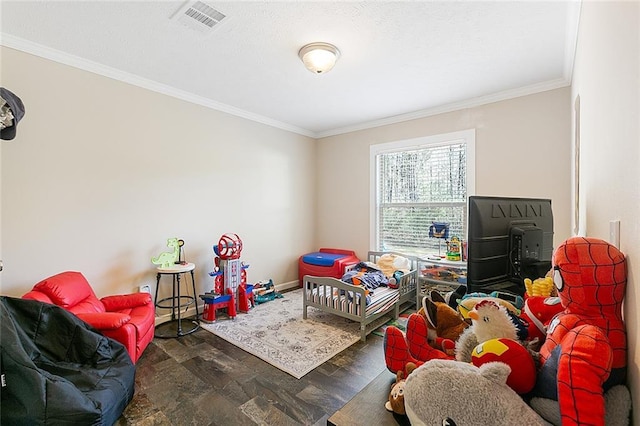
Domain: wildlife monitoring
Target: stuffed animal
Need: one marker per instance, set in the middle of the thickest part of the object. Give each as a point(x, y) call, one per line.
point(457, 393)
point(395, 403)
point(539, 286)
point(522, 377)
point(584, 354)
point(421, 342)
point(443, 320)
point(489, 320)
point(469, 301)
point(389, 264)
point(537, 313)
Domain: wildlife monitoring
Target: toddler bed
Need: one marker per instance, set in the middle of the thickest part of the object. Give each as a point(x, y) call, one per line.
point(354, 301)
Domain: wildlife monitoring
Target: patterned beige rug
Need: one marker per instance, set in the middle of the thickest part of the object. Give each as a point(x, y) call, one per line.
point(276, 333)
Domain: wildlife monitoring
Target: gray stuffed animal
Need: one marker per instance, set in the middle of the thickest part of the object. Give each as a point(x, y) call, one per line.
point(444, 392)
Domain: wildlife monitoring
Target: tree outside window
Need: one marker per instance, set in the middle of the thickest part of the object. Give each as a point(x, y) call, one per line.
point(420, 182)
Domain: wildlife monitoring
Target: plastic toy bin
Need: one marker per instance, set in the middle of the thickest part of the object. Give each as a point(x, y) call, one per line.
point(326, 262)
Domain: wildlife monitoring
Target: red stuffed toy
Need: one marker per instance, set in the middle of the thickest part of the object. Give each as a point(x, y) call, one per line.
point(537, 313)
point(584, 354)
point(431, 334)
point(523, 368)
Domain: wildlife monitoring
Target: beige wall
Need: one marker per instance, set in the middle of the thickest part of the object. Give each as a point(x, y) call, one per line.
point(522, 149)
point(102, 173)
point(607, 79)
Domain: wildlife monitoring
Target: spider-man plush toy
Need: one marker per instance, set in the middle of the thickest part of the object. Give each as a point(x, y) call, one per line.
point(585, 352)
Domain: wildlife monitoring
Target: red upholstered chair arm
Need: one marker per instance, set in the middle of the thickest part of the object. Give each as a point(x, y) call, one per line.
point(39, 296)
point(105, 320)
point(125, 301)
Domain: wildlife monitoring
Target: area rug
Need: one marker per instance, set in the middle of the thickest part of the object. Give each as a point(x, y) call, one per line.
point(276, 333)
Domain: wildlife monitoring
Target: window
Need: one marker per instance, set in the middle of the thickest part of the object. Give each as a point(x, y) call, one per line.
point(418, 182)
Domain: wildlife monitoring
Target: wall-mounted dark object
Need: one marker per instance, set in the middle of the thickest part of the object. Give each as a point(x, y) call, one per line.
point(11, 112)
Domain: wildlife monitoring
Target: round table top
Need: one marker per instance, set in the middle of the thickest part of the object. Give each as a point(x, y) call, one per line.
point(177, 268)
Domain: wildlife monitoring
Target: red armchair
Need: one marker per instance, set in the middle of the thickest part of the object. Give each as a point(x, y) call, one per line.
point(128, 318)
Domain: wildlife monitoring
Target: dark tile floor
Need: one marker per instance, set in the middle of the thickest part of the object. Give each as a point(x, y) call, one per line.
point(201, 379)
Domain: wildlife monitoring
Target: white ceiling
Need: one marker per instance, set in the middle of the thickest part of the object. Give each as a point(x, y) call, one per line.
point(400, 60)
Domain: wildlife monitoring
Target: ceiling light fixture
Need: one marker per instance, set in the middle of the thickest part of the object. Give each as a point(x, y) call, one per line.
point(319, 58)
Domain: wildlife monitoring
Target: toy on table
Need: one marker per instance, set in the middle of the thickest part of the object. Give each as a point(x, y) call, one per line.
point(454, 249)
point(230, 288)
point(439, 230)
point(458, 393)
point(584, 356)
point(168, 258)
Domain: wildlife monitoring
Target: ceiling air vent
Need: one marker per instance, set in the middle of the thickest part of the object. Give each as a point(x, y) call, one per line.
point(199, 16)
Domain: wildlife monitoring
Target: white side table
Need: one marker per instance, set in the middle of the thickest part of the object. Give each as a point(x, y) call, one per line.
point(177, 301)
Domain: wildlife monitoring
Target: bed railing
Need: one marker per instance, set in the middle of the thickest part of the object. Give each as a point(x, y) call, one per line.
point(350, 301)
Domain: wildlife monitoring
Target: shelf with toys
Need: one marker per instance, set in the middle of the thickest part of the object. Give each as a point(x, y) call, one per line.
point(442, 273)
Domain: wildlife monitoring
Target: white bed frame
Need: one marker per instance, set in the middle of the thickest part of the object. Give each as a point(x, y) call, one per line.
point(343, 293)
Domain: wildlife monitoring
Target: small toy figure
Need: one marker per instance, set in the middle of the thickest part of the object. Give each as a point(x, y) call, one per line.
point(454, 249)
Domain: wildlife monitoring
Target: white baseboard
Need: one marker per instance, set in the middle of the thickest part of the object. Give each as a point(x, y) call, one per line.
point(160, 319)
point(287, 286)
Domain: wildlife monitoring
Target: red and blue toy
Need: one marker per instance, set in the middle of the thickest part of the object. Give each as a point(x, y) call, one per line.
point(230, 288)
point(584, 356)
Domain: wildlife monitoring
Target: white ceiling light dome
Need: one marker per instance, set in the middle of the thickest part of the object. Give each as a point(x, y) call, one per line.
point(319, 58)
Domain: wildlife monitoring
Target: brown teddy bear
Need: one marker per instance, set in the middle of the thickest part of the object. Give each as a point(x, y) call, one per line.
point(396, 396)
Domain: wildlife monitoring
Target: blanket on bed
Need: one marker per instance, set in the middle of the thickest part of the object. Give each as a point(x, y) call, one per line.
point(366, 275)
point(388, 271)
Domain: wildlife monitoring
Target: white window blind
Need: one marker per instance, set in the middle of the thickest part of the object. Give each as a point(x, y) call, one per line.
point(417, 186)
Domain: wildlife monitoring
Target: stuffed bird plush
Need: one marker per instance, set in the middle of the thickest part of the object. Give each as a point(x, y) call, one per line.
point(488, 321)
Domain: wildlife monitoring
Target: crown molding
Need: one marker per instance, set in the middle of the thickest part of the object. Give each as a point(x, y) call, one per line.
point(103, 70)
point(97, 68)
point(455, 106)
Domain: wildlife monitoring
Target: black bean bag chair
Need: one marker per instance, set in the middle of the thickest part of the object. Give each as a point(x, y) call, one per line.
point(56, 369)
